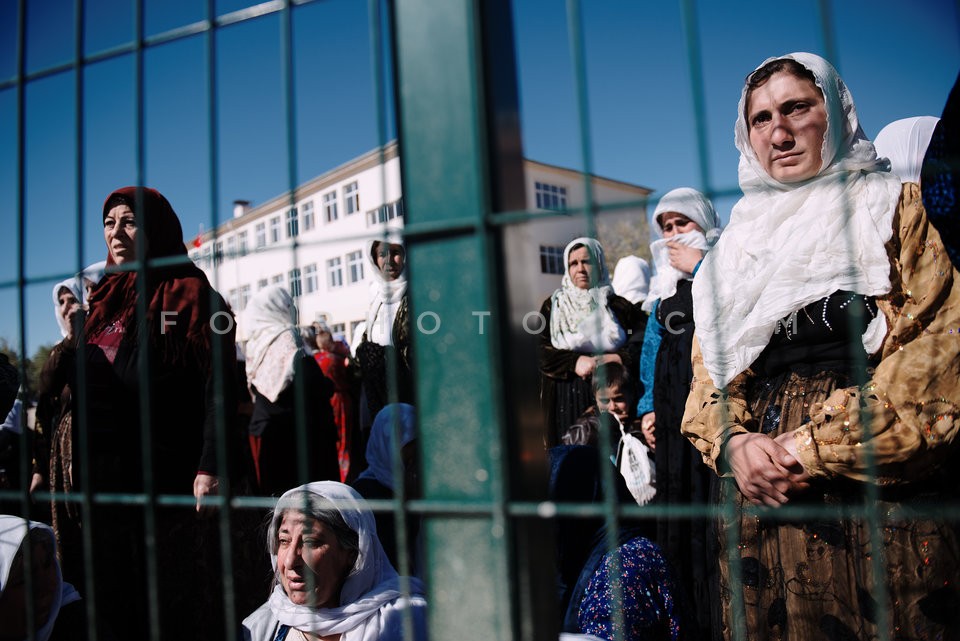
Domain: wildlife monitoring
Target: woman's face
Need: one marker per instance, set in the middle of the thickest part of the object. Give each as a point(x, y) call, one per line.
point(673, 223)
point(120, 234)
point(390, 258)
point(787, 120)
point(311, 563)
point(67, 304)
point(581, 268)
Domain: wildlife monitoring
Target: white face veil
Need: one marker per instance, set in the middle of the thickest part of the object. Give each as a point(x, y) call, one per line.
point(788, 245)
point(698, 208)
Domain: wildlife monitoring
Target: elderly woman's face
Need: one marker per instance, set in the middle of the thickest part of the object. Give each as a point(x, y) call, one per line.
point(581, 268)
point(787, 120)
point(390, 258)
point(120, 234)
point(311, 563)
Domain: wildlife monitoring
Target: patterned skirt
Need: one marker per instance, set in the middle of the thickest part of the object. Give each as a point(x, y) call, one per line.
point(815, 577)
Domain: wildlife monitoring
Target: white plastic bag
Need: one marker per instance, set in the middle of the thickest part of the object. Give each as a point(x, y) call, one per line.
point(633, 461)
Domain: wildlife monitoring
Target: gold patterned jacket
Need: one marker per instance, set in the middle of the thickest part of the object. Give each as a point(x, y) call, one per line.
point(909, 404)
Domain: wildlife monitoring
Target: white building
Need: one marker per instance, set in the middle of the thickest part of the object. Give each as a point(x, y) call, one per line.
point(314, 243)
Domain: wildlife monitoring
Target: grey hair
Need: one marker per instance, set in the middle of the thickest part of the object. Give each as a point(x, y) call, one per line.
point(316, 507)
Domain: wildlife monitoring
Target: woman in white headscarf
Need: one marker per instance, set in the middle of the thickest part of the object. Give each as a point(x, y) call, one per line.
point(53, 443)
point(386, 329)
point(585, 325)
point(826, 372)
point(89, 278)
point(631, 279)
point(687, 227)
point(904, 142)
point(275, 360)
point(332, 577)
point(51, 597)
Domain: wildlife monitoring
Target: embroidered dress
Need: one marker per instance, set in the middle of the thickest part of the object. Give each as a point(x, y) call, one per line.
point(827, 315)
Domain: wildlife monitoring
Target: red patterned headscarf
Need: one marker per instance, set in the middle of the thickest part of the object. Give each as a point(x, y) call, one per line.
point(182, 288)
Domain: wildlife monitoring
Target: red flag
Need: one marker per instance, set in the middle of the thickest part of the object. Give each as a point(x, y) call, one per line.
point(198, 241)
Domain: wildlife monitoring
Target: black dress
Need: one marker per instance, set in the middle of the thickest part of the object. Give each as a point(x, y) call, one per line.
point(682, 478)
point(564, 396)
point(275, 423)
point(185, 408)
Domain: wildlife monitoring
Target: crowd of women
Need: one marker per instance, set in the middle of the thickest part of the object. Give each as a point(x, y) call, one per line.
point(804, 355)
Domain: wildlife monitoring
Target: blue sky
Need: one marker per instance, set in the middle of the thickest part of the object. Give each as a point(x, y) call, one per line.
point(898, 62)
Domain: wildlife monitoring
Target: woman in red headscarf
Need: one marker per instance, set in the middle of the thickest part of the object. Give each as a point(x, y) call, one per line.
point(159, 363)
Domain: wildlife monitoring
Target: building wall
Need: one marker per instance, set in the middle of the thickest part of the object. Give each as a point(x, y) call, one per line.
point(342, 301)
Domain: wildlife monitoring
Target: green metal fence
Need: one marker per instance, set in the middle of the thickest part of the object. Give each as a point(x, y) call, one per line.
point(488, 530)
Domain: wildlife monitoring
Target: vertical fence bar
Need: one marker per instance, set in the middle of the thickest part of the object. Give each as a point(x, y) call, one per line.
point(224, 468)
point(21, 264)
point(80, 420)
point(445, 175)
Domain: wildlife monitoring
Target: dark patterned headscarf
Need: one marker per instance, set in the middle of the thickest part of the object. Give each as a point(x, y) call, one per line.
point(181, 289)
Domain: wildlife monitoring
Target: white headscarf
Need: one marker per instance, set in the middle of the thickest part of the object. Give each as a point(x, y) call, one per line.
point(698, 208)
point(93, 273)
point(904, 142)
point(631, 278)
point(580, 320)
point(13, 531)
point(273, 343)
point(385, 295)
point(74, 287)
point(370, 600)
point(788, 245)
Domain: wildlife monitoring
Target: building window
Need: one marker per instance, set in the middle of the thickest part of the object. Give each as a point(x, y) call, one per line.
point(275, 229)
point(334, 273)
point(261, 233)
point(195, 256)
point(242, 242)
point(233, 300)
point(307, 210)
point(330, 206)
point(351, 198)
point(355, 266)
point(293, 224)
point(263, 282)
point(550, 196)
point(353, 328)
point(244, 296)
point(231, 247)
point(551, 259)
point(295, 289)
point(217, 253)
point(310, 278)
point(206, 256)
point(385, 212)
point(276, 279)
point(337, 328)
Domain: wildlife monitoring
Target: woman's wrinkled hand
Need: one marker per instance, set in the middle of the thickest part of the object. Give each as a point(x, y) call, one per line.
point(766, 472)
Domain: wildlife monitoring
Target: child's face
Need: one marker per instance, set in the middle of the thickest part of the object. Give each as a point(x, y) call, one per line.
point(611, 399)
